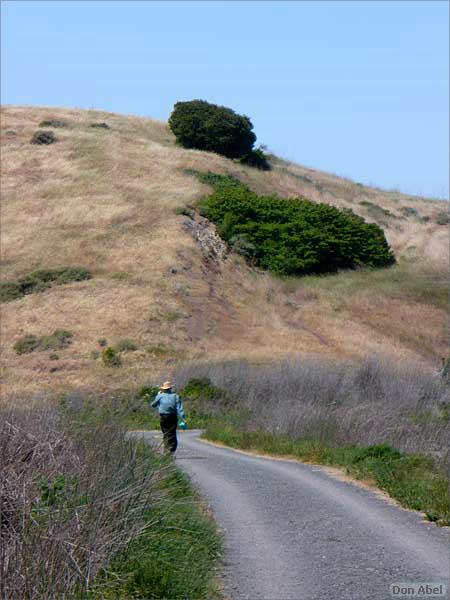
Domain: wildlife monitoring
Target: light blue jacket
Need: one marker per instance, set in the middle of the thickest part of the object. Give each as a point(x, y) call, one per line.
point(169, 404)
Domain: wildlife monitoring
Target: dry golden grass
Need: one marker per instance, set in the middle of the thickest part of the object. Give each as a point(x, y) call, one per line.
point(106, 200)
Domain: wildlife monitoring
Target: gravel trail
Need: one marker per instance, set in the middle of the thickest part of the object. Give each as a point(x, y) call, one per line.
point(293, 531)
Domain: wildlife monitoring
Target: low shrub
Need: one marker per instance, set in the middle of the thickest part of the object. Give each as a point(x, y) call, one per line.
point(26, 344)
point(409, 211)
point(292, 236)
point(383, 451)
point(40, 280)
point(102, 342)
point(443, 217)
point(100, 126)
point(9, 290)
point(204, 126)
point(58, 123)
point(256, 158)
point(111, 358)
point(126, 345)
point(59, 339)
point(376, 210)
point(203, 388)
point(44, 138)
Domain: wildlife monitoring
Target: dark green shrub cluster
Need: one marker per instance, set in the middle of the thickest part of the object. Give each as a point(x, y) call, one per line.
point(60, 338)
point(40, 280)
point(443, 217)
point(256, 158)
point(111, 358)
point(58, 123)
point(199, 124)
point(292, 236)
point(44, 137)
point(202, 388)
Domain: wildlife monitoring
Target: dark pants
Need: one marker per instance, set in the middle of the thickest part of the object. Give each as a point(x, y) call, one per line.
point(169, 430)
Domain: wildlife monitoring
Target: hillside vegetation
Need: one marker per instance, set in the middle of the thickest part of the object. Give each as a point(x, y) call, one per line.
point(116, 197)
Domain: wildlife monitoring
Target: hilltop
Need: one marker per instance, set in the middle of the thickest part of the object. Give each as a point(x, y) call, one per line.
point(119, 202)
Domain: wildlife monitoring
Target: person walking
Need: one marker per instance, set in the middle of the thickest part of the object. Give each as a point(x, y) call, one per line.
point(170, 407)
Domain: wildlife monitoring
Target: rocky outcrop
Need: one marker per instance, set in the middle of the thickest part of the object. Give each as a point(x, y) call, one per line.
point(204, 232)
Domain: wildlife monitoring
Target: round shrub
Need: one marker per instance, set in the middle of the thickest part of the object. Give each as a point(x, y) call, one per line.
point(44, 137)
point(293, 236)
point(204, 126)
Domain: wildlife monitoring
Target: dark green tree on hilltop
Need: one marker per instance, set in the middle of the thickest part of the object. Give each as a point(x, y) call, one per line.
point(204, 126)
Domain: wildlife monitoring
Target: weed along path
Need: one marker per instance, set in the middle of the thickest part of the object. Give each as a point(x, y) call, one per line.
point(294, 531)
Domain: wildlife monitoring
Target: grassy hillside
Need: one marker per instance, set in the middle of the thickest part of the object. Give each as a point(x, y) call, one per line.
point(114, 201)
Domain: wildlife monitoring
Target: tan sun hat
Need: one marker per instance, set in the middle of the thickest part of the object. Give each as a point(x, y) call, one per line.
point(167, 385)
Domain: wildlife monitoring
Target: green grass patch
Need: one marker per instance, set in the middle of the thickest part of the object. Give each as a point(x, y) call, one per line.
point(413, 480)
point(406, 280)
point(175, 558)
point(40, 280)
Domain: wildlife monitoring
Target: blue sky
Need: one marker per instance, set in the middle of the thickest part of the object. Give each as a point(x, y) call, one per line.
point(356, 88)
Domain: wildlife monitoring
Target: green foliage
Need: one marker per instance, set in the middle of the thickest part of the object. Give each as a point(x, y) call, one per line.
point(44, 138)
point(9, 290)
point(175, 557)
point(377, 211)
point(58, 123)
point(201, 387)
point(100, 126)
point(256, 158)
point(60, 338)
point(383, 451)
point(199, 124)
point(54, 356)
point(40, 280)
point(57, 491)
point(26, 344)
point(126, 345)
point(148, 392)
point(111, 358)
point(292, 236)
point(443, 217)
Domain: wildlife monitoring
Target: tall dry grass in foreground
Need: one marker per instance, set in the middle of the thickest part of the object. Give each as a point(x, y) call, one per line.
point(363, 403)
point(71, 497)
